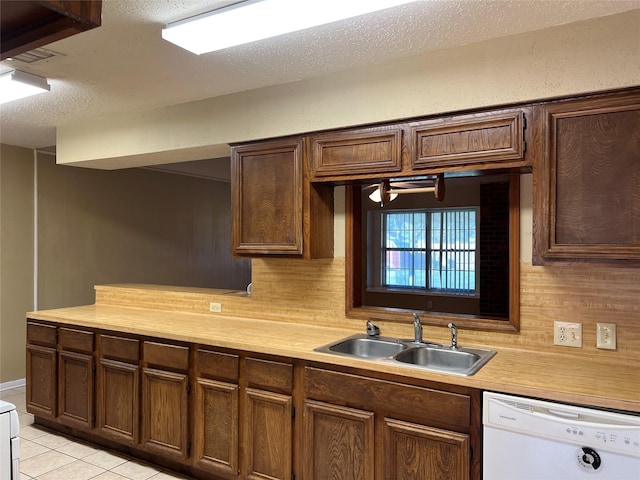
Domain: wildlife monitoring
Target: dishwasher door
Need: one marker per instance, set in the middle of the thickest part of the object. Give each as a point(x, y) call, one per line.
point(526, 439)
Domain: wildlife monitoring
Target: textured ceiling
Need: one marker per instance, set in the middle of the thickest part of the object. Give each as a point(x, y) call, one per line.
point(124, 65)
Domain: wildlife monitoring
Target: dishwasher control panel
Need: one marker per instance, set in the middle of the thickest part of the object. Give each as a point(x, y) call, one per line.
point(610, 431)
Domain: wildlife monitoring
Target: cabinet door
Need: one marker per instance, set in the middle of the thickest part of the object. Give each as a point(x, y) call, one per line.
point(339, 442)
point(75, 389)
point(415, 451)
point(489, 138)
point(267, 192)
point(216, 427)
point(360, 152)
point(587, 196)
point(164, 412)
point(41, 381)
point(268, 436)
point(117, 400)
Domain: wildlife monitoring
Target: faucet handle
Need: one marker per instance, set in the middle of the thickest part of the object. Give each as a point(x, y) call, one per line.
point(454, 336)
point(372, 329)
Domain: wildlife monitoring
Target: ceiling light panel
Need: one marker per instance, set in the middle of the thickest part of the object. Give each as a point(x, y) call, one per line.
point(251, 21)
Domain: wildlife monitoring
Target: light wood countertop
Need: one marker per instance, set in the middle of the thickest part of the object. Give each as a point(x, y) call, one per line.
point(562, 377)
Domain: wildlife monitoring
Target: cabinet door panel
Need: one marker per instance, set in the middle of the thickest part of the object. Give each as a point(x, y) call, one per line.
point(353, 152)
point(216, 427)
point(415, 451)
point(339, 442)
point(268, 427)
point(164, 412)
point(490, 137)
point(267, 194)
point(117, 402)
point(75, 389)
point(41, 381)
point(587, 202)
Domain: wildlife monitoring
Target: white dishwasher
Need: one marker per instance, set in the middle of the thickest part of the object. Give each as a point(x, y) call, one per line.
point(526, 439)
point(9, 442)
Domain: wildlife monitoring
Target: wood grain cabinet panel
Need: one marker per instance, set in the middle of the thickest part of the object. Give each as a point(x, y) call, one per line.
point(274, 211)
point(268, 436)
point(164, 409)
point(353, 152)
point(216, 427)
point(118, 388)
point(339, 442)
point(75, 389)
point(587, 196)
point(267, 195)
point(492, 137)
point(42, 384)
point(415, 451)
point(42, 334)
point(118, 393)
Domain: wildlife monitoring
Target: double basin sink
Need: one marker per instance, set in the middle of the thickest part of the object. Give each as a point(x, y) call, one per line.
point(443, 359)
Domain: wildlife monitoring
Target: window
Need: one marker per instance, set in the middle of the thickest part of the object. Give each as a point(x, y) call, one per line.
point(433, 249)
point(456, 260)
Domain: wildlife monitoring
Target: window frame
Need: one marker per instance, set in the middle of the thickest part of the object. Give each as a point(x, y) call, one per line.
point(355, 256)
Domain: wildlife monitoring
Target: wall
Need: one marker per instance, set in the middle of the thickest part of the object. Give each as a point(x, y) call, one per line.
point(580, 57)
point(98, 227)
point(133, 225)
point(16, 257)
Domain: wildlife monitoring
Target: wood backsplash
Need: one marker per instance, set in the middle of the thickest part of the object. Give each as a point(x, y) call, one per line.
point(300, 291)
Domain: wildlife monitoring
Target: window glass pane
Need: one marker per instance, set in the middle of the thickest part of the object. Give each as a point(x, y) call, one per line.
point(430, 249)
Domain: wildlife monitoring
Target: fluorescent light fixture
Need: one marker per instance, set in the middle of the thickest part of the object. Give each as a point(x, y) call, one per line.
point(254, 20)
point(16, 84)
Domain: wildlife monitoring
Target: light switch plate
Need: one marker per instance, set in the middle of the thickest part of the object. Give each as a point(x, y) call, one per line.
point(606, 336)
point(567, 334)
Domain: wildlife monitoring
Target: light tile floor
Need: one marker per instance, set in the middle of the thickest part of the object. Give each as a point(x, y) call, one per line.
point(45, 455)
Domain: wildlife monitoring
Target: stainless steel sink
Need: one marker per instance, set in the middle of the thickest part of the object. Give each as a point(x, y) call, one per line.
point(461, 361)
point(365, 347)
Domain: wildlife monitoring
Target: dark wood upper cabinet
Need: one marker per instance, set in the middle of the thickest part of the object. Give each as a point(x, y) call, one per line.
point(25, 25)
point(587, 187)
point(490, 137)
point(274, 211)
point(356, 151)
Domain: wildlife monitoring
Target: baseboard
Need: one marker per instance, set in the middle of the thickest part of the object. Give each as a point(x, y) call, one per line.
point(21, 382)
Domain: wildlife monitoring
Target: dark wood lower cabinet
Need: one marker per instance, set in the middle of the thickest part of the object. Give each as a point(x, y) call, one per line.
point(118, 396)
point(268, 431)
point(415, 451)
point(339, 442)
point(42, 388)
point(216, 427)
point(75, 389)
point(164, 409)
point(229, 415)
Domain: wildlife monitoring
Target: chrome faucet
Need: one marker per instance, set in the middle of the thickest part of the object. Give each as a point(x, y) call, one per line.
point(454, 336)
point(417, 329)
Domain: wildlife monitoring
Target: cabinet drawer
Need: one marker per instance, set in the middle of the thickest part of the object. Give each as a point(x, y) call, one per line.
point(222, 366)
point(80, 340)
point(490, 138)
point(165, 355)
point(269, 375)
point(405, 402)
point(120, 348)
point(356, 152)
point(41, 334)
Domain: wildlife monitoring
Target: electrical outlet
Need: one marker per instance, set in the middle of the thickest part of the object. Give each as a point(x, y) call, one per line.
point(567, 334)
point(215, 307)
point(606, 336)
